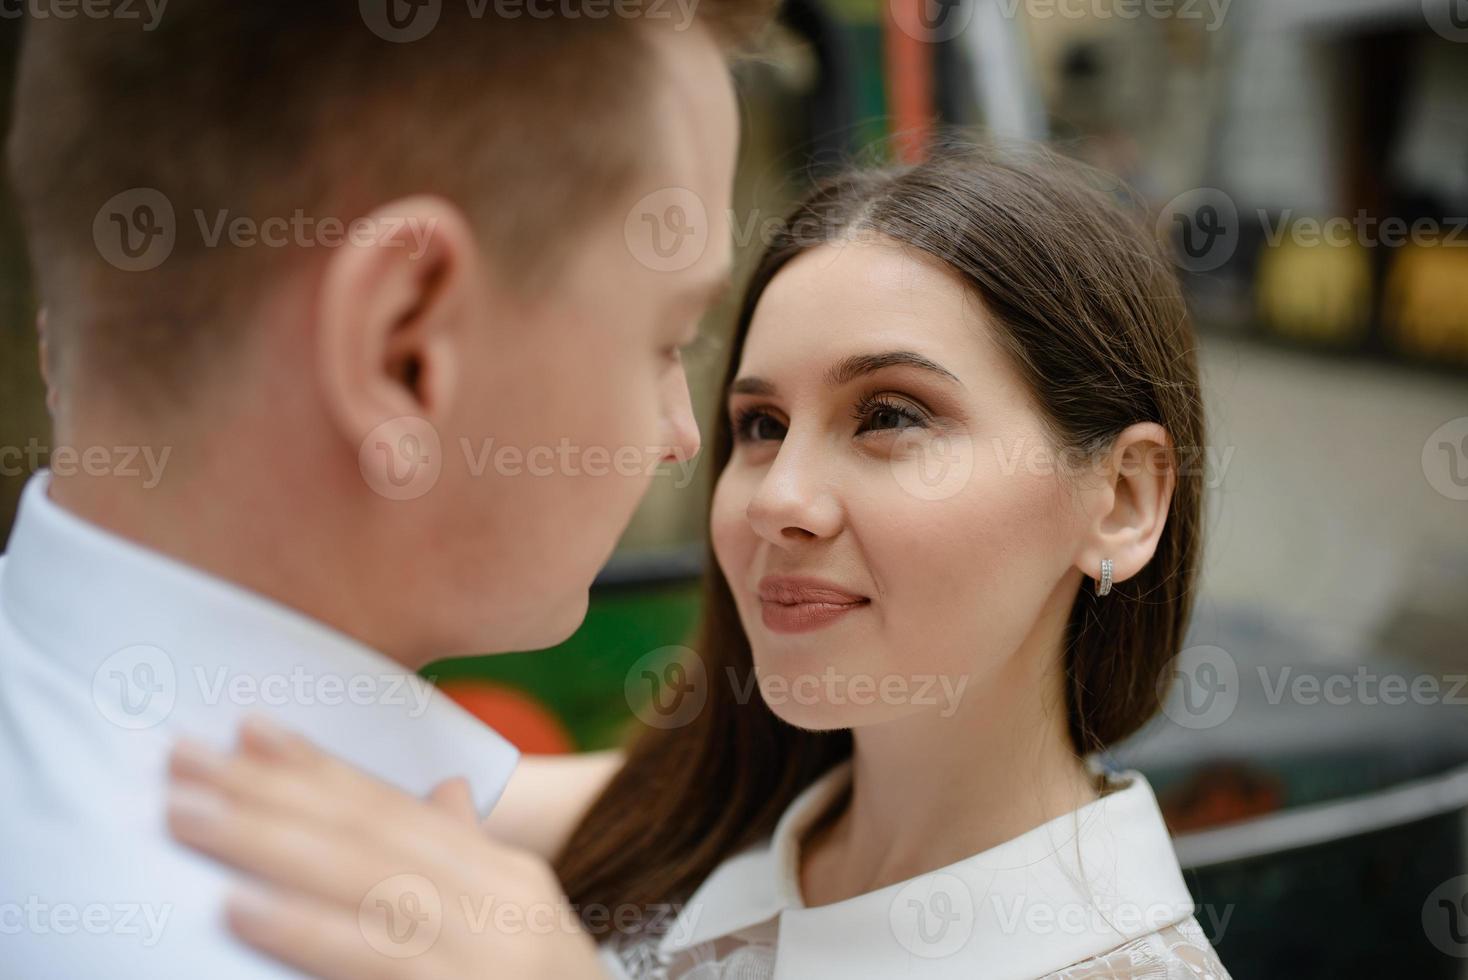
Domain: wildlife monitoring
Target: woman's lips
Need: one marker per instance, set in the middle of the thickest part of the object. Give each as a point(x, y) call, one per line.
point(799, 604)
point(802, 617)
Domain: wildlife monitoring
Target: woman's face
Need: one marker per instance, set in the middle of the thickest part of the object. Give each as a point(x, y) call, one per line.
point(889, 465)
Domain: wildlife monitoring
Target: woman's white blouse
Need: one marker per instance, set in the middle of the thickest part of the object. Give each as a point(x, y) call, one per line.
point(1095, 893)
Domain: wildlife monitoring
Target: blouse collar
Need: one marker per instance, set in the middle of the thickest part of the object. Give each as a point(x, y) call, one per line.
point(1073, 888)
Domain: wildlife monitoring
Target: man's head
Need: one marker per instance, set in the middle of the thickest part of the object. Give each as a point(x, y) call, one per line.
point(414, 297)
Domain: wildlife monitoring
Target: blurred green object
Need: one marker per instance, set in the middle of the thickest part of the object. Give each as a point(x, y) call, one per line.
point(583, 680)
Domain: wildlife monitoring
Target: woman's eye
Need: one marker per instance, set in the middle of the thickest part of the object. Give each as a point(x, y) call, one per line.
point(878, 414)
point(754, 425)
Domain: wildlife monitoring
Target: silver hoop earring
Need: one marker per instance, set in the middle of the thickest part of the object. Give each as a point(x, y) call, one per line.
point(1104, 585)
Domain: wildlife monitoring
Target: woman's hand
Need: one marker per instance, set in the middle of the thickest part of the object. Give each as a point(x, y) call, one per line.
point(355, 879)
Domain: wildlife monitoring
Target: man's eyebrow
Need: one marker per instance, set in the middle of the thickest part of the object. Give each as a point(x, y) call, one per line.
point(848, 369)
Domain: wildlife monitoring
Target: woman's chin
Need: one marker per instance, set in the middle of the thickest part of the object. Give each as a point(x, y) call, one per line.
point(824, 701)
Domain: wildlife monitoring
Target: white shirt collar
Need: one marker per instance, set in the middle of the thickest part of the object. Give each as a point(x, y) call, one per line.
point(165, 647)
point(1073, 888)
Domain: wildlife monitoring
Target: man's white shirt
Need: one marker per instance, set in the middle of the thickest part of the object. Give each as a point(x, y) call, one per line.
point(108, 651)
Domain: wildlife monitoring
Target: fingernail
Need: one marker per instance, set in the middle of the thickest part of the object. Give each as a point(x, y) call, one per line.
point(194, 807)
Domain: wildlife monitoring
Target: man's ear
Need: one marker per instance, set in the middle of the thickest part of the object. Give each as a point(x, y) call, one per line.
point(394, 307)
point(1126, 500)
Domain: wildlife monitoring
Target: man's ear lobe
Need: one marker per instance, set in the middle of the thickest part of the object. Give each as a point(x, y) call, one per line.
point(1132, 502)
point(395, 303)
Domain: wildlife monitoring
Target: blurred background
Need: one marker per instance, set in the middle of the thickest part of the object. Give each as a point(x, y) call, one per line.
point(1306, 163)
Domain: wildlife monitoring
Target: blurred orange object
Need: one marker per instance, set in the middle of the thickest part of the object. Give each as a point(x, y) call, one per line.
point(1427, 301)
point(527, 723)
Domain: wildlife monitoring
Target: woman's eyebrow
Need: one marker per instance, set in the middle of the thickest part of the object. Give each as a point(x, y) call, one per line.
point(848, 369)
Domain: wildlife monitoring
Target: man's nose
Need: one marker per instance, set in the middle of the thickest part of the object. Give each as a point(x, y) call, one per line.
point(684, 440)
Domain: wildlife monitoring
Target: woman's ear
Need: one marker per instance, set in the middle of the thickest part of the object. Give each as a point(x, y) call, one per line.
point(396, 302)
point(1127, 501)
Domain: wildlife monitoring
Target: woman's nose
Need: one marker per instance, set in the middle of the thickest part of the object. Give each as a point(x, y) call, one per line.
point(794, 500)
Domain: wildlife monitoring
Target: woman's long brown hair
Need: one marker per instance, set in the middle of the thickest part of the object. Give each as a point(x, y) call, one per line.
point(1088, 309)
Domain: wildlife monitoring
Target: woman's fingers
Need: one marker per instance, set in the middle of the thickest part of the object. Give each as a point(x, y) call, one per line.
point(322, 939)
point(283, 850)
point(454, 798)
point(279, 771)
point(247, 781)
point(259, 736)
